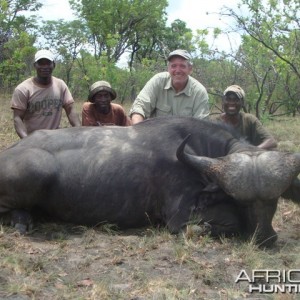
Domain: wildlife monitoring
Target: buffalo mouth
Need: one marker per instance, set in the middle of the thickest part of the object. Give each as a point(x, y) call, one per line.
point(256, 222)
point(229, 218)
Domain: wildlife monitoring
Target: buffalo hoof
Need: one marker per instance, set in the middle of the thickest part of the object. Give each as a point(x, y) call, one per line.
point(266, 242)
point(21, 220)
point(201, 229)
point(21, 228)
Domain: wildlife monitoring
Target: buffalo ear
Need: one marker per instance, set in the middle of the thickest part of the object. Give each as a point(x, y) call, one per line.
point(293, 191)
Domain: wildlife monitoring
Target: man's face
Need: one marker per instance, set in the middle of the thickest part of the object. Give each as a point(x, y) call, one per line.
point(102, 101)
point(44, 67)
point(179, 69)
point(232, 104)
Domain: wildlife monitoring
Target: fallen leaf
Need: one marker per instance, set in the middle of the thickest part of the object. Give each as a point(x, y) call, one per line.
point(85, 282)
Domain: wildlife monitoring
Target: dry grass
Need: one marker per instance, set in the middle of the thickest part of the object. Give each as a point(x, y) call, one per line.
point(61, 261)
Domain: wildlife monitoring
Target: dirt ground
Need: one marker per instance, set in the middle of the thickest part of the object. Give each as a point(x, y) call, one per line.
point(61, 261)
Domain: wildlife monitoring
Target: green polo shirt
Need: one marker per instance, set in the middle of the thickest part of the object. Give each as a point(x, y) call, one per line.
point(158, 98)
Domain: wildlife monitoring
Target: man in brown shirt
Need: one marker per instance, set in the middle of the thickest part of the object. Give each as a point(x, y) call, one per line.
point(99, 110)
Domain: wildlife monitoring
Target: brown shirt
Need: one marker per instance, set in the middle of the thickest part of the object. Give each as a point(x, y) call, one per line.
point(250, 128)
point(91, 117)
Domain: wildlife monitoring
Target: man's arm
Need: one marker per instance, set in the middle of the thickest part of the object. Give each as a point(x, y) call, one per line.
point(19, 125)
point(261, 134)
point(268, 144)
point(201, 106)
point(72, 115)
point(145, 102)
point(87, 117)
point(136, 118)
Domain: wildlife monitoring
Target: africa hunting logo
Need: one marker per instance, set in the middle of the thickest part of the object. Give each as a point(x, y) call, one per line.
point(271, 281)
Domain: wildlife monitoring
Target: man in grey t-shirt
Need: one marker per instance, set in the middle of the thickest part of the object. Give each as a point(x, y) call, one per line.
point(172, 93)
point(37, 102)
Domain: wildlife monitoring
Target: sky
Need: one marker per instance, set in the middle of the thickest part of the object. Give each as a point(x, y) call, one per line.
point(193, 12)
point(203, 14)
point(197, 14)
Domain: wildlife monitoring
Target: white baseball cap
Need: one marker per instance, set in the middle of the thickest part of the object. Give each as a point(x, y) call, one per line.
point(47, 54)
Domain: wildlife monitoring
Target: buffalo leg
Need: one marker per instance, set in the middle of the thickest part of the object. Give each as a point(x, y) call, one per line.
point(21, 220)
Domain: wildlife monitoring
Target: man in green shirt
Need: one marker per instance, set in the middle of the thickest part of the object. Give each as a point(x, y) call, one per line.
point(246, 124)
point(172, 93)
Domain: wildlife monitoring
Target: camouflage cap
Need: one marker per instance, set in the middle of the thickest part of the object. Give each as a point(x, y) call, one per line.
point(99, 86)
point(235, 89)
point(179, 52)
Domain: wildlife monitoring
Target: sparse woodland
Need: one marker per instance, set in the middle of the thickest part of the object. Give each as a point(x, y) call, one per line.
point(105, 32)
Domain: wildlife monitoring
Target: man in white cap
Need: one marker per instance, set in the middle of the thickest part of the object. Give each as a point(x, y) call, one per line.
point(99, 111)
point(173, 92)
point(38, 101)
point(247, 125)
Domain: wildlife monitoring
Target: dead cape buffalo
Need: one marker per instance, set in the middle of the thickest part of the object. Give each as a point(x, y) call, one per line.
point(148, 173)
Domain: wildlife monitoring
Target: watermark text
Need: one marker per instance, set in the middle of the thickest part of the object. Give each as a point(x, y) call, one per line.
point(271, 281)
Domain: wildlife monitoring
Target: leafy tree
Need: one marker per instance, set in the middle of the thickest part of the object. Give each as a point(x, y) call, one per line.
point(258, 75)
point(118, 26)
point(20, 63)
point(177, 36)
point(16, 41)
point(68, 39)
point(274, 24)
point(11, 13)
